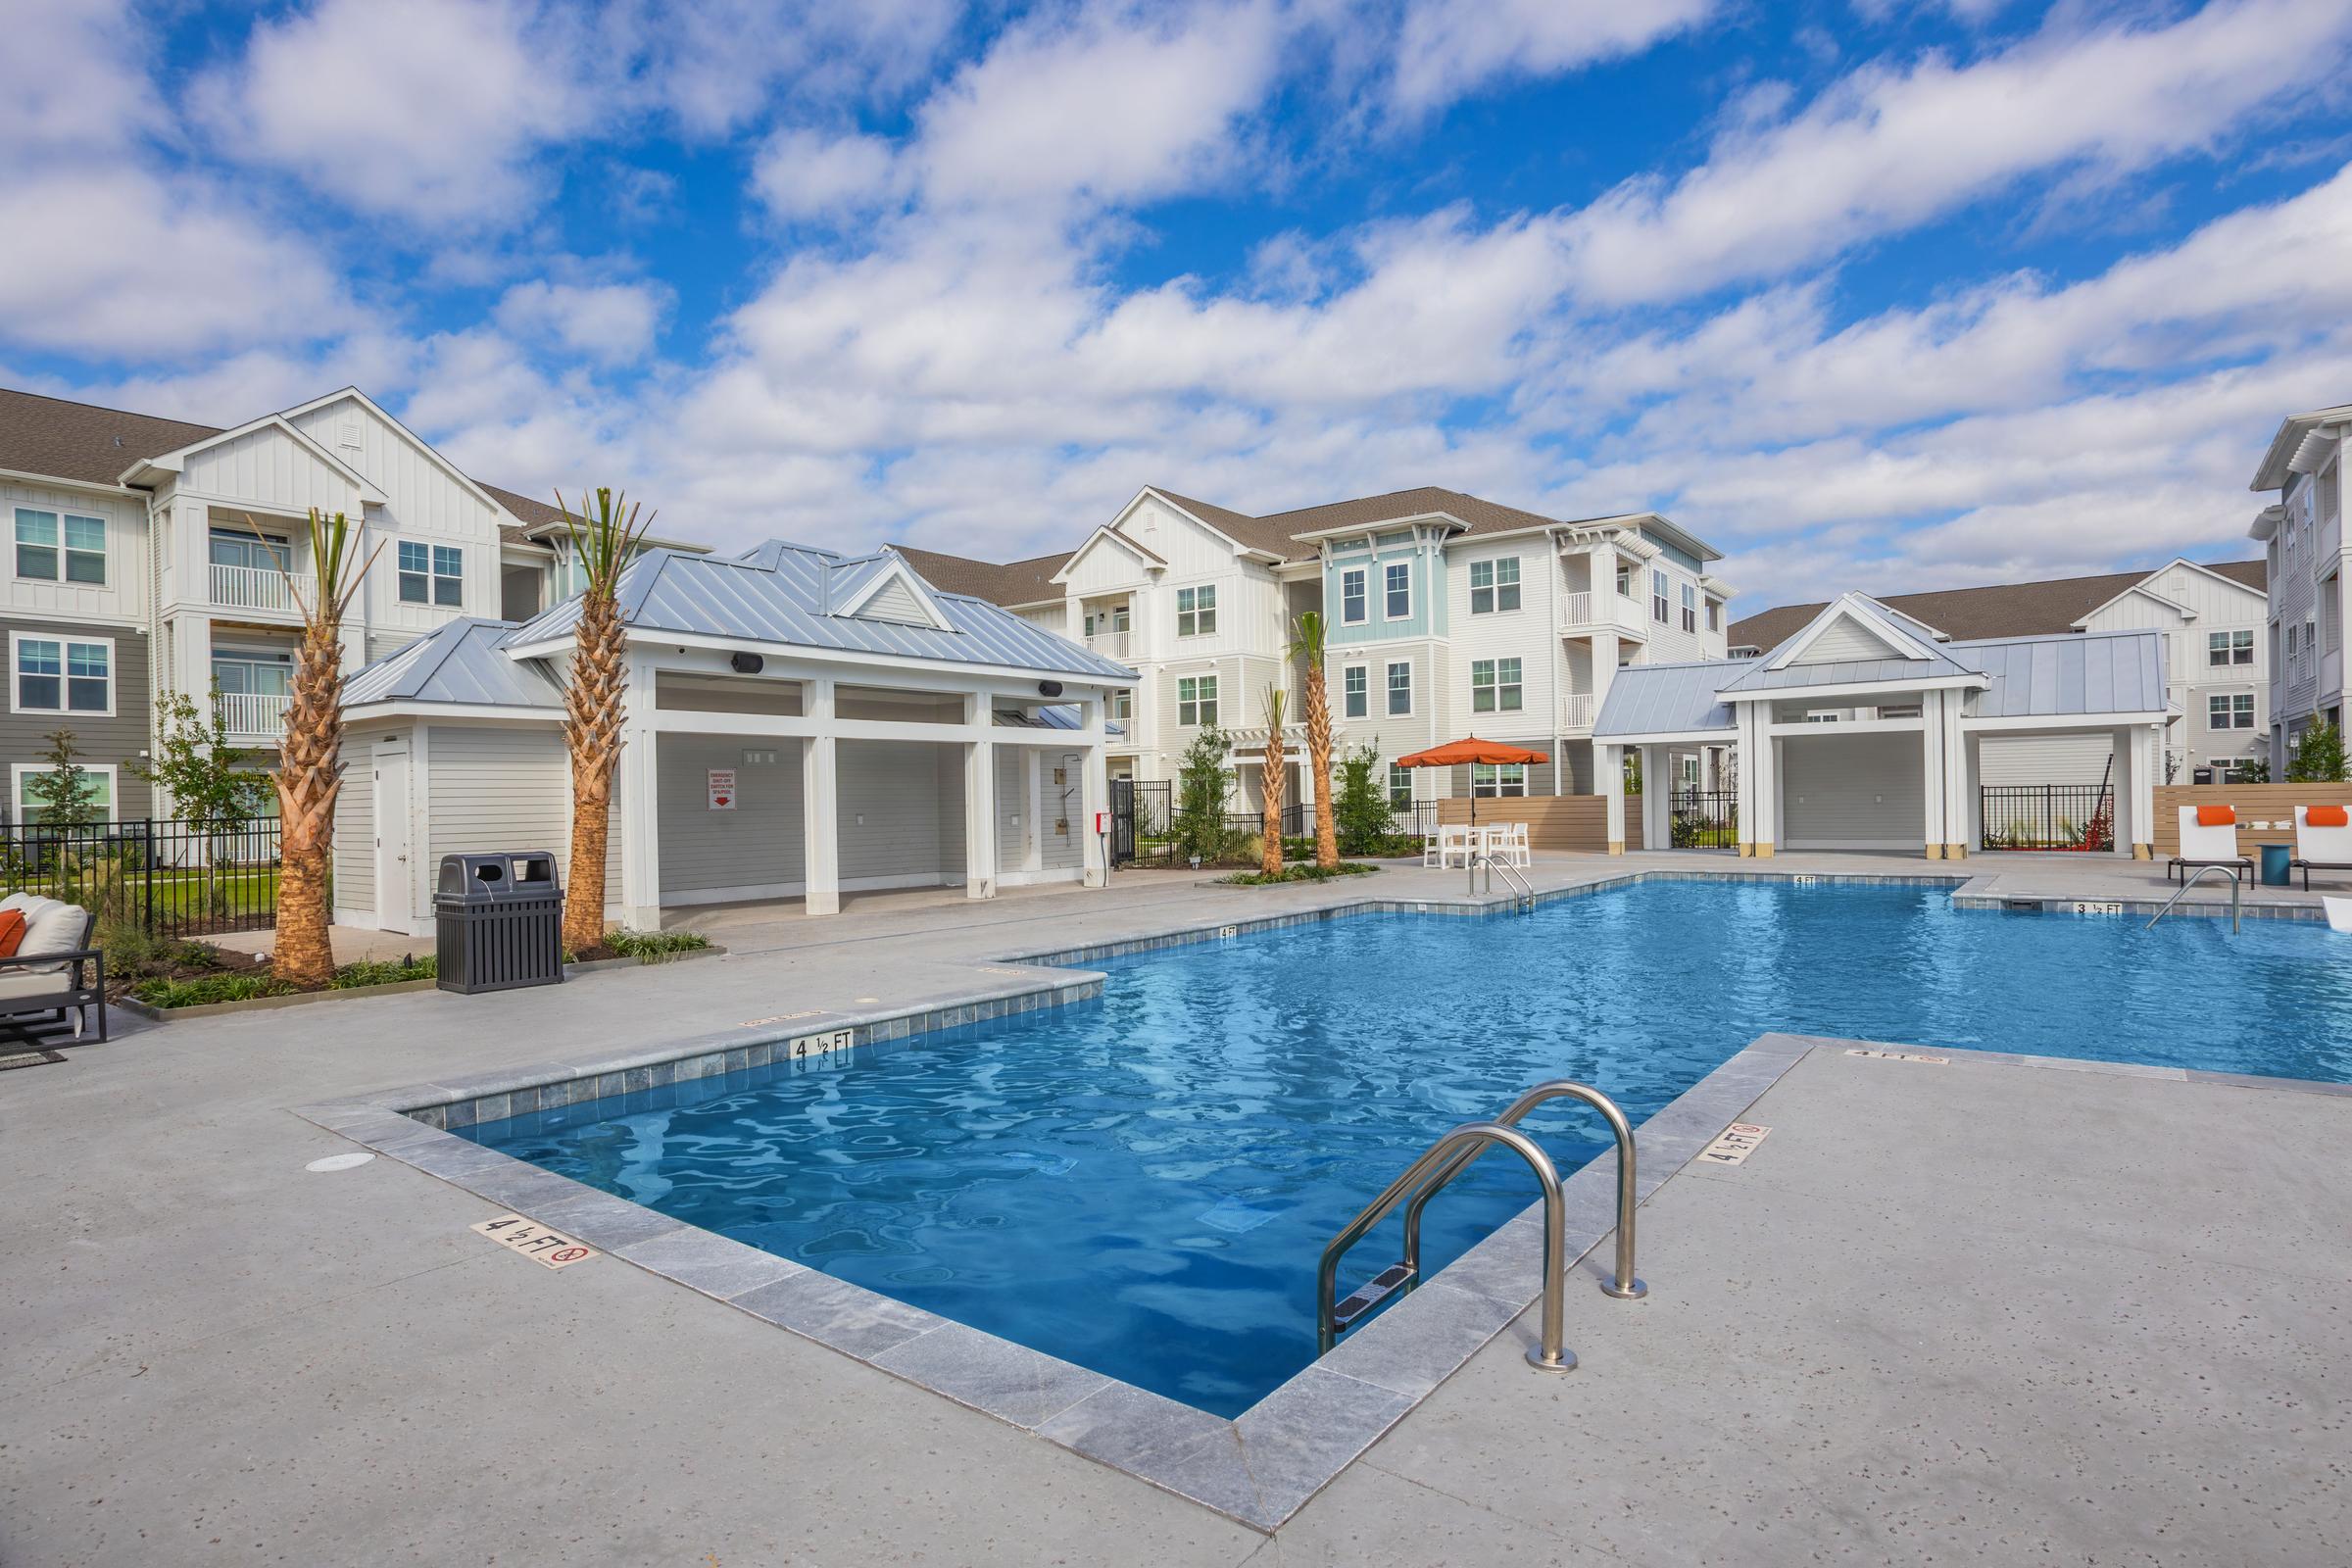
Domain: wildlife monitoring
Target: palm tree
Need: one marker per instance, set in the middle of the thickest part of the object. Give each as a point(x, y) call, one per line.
point(602, 543)
point(309, 767)
point(1271, 862)
point(1308, 650)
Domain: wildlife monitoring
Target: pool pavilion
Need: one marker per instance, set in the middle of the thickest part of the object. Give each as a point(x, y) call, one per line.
point(798, 724)
point(1862, 730)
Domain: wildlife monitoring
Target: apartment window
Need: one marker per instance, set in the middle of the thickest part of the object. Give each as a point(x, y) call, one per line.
point(1714, 614)
point(1355, 694)
point(1197, 611)
point(1495, 686)
point(1689, 609)
point(1196, 699)
point(62, 674)
point(1401, 688)
point(1398, 578)
point(1494, 586)
point(1490, 779)
point(432, 575)
point(98, 777)
point(2225, 711)
point(1824, 716)
point(1400, 788)
point(1625, 580)
point(1660, 611)
point(1354, 597)
point(1122, 704)
point(2229, 647)
point(54, 548)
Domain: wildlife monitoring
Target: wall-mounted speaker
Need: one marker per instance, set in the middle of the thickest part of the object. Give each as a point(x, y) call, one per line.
point(746, 663)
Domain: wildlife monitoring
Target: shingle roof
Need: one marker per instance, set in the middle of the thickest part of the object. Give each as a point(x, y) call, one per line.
point(2003, 609)
point(1020, 582)
point(82, 441)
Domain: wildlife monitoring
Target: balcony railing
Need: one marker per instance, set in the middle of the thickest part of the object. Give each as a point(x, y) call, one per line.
point(250, 588)
point(254, 714)
point(1576, 711)
point(1581, 611)
point(1110, 644)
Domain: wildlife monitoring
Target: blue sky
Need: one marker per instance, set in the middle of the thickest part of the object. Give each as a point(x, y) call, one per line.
point(1869, 294)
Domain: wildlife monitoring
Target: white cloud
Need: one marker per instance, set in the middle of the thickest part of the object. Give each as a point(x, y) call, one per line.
point(1448, 49)
point(609, 323)
point(806, 174)
point(1884, 149)
point(70, 76)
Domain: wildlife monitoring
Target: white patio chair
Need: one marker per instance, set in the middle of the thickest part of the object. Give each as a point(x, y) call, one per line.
point(1454, 843)
point(2324, 846)
point(2208, 843)
point(1510, 846)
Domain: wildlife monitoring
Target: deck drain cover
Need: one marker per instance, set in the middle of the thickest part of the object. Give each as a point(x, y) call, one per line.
point(348, 1162)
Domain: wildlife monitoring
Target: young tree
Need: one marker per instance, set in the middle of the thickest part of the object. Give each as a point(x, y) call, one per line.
point(1307, 648)
point(310, 766)
point(64, 791)
point(1272, 771)
point(603, 540)
point(1361, 809)
point(2319, 755)
point(1203, 782)
point(210, 787)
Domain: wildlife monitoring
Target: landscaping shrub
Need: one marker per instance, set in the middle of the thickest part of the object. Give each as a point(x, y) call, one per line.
point(653, 947)
point(1306, 872)
point(387, 971)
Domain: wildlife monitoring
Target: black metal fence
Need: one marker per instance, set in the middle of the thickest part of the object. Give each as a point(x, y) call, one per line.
point(174, 880)
point(2046, 816)
point(1701, 819)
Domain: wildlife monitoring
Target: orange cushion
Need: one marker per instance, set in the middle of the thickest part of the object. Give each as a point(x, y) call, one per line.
point(2328, 816)
point(2216, 815)
point(12, 931)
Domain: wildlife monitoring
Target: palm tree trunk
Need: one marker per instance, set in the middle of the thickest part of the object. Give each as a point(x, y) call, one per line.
point(309, 777)
point(594, 704)
point(1318, 763)
point(1270, 861)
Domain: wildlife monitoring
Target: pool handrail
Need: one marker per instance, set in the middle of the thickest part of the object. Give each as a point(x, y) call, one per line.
point(1622, 1284)
point(1523, 892)
point(2236, 892)
point(1550, 1354)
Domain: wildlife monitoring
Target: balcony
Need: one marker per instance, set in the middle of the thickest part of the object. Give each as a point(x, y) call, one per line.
point(253, 715)
point(1577, 710)
point(1110, 645)
point(1583, 612)
point(1252, 738)
point(251, 588)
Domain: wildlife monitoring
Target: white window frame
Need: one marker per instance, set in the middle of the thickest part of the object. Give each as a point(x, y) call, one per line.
point(1361, 693)
point(1496, 587)
point(1388, 590)
point(1202, 702)
point(1389, 684)
point(431, 577)
point(18, 772)
point(1203, 617)
point(1690, 608)
point(1503, 780)
point(66, 642)
point(1714, 613)
point(1661, 608)
point(62, 549)
point(2222, 711)
point(1495, 686)
point(1625, 579)
point(1400, 778)
point(1362, 578)
point(2234, 646)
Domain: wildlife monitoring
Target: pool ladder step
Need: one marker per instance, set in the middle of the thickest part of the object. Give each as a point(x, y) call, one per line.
point(1523, 892)
point(1440, 1164)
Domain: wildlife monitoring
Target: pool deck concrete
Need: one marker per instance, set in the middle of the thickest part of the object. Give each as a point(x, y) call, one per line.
point(1982, 1310)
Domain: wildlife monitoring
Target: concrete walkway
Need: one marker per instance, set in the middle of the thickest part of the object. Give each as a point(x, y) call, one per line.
point(1974, 1312)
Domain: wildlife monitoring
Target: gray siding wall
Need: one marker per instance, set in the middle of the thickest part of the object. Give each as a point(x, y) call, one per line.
point(1857, 790)
point(1060, 818)
point(355, 828)
point(891, 808)
point(757, 844)
point(2044, 759)
point(101, 740)
point(496, 789)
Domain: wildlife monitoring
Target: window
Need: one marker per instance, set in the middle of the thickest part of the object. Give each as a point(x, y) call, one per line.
point(1401, 688)
point(1494, 586)
point(1122, 704)
point(1397, 575)
point(2225, 711)
point(1494, 685)
point(1689, 609)
point(241, 547)
point(1714, 614)
point(1490, 779)
point(2229, 647)
point(1197, 611)
point(1355, 697)
point(62, 674)
point(98, 776)
point(1659, 610)
point(1400, 788)
point(1824, 716)
point(83, 556)
point(1355, 607)
point(1196, 699)
point(1625, 580)
point(432, 575)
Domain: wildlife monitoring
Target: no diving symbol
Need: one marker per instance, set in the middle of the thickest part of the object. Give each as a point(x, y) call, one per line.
point(567, 1255)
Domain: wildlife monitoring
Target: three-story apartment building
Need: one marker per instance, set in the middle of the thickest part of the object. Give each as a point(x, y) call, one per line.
point(1447, 615)
point(2303, 536)
point(148, 555)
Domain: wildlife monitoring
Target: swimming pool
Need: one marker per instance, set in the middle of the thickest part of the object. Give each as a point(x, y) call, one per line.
point(1143, 1186)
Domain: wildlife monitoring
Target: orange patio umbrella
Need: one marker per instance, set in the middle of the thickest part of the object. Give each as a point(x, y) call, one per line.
point(1470, 749)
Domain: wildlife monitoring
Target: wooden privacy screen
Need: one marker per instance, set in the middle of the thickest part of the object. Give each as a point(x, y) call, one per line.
point(1577, 823)
point(2266, 813)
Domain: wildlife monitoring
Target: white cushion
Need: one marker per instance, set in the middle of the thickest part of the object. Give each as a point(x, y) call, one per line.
point(30, 903)
point(16, 982)
point(55, 929)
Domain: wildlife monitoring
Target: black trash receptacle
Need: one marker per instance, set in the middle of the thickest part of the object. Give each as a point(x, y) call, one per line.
point(499, 921)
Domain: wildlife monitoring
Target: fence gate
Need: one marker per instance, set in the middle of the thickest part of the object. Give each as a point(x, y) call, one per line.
point(2048, 816)
point(1122, 820)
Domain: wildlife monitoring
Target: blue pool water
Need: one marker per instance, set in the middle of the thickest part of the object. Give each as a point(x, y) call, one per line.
point(1143, 1186)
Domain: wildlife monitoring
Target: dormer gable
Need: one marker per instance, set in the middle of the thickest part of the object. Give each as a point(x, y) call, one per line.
point(883, 587)
point(1853, 629)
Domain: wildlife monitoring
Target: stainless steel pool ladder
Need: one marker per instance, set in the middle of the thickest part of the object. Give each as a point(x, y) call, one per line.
point(2238, 883)
point(1440, 1164)
point(1523, 892)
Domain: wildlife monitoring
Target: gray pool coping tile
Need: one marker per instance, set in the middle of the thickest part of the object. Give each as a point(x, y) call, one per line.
point(1304, 1434)
point(718, 1266)
point(1011, 1382)
point(832, 1312)
point(1185, 1451)
point(602, 1220)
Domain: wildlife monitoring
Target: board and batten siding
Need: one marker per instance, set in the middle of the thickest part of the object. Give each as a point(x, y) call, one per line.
point(1836, 643)
point(1853, 790)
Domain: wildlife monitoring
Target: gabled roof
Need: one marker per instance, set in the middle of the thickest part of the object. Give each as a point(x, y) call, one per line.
point(2287, 447)
point(2005, 610)
point(81, 441)
point(176, 459)
point(857, 586)
point(777, 593)
point(1150, 559)
point(461, 662)
point(1911, 654)
point(1019, 582)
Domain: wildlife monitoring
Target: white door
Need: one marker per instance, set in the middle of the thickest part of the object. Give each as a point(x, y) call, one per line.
point(392, 883)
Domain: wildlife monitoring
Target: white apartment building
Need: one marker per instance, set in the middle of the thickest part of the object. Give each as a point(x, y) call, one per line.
point(145, 558)
point(1447, 615)
point(2303, 536)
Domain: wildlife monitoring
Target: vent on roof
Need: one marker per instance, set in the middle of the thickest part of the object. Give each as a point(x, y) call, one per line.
point(347, 433)
point(896, 601)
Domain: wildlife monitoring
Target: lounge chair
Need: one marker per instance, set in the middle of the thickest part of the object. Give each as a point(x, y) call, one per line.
point(55, 978)
point(2208, 837)
point(2322, 841)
